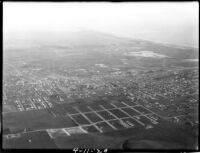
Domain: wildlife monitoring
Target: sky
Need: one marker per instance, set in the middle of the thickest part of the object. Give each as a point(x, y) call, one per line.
point(167, 22)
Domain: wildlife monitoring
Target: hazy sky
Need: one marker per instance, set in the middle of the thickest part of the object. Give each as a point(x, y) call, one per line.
point(159, 21)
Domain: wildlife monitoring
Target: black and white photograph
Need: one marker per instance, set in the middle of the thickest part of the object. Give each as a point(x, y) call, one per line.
point(100, 76)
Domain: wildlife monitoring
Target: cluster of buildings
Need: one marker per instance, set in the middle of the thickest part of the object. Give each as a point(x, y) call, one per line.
point(157, 89)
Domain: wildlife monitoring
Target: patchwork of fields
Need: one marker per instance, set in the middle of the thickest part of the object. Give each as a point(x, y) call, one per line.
point(102, 118)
